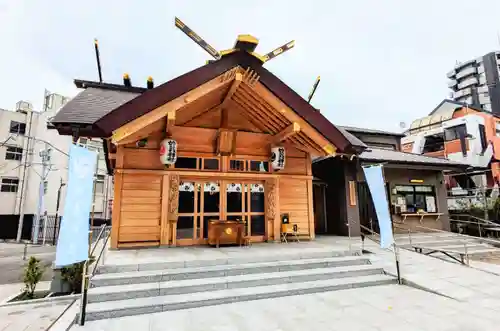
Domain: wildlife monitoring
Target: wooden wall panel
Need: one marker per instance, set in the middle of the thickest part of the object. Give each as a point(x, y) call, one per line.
point(294, 200)
point(140, 208)
point(248, 143)
point(139, 158)
point(295, 166)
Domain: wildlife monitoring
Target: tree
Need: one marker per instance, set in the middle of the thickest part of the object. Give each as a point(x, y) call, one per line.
point(32, 275)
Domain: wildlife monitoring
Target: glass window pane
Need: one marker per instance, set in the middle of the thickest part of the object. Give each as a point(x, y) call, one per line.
point(186, 197)
point(237, 165)
point(211, 197)
point(234, 198)
point(260, 166)
point(211, 164)
point(257, 198)
point(258, 227)
point(186, 163)
point(420, 202)
point(185, 227)
point(404, 188)
point(423, 188)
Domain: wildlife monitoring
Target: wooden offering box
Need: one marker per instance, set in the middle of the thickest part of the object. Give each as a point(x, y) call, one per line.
point(225, 232)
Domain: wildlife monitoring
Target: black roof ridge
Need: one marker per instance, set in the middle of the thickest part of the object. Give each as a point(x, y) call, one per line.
point(81, 83)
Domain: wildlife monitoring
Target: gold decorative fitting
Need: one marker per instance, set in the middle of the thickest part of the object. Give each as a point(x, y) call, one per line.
point(247, 39)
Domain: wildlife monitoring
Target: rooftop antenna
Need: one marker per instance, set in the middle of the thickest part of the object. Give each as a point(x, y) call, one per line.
point(98, 59)
point(315, 86)
point(246, 43)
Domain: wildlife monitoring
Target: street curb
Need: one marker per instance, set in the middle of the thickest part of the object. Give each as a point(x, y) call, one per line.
point(43, 300)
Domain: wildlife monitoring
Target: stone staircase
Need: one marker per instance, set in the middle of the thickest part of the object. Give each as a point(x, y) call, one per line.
point(124, 290)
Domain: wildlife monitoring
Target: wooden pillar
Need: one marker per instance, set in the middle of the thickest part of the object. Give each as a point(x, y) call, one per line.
point(117, 197)
point(164, 225)
point(173, 205)
point(310, 212)
point(310, 201)
point(272, 209)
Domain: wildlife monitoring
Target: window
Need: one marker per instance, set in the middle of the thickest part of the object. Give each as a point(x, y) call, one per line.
point(83, 142)
point(186, 163)
point(455, 132)
point(259, 166)
point(14, 153)
point(434, 143)
point(17, 127)
point(99, 184)
point(497, 131)
point(9, 185)
point(390, 147)
point(210, 164)
point(249, 165)
point(413, 198)
point(237, 165)
point(45, 187)
point(482, 136)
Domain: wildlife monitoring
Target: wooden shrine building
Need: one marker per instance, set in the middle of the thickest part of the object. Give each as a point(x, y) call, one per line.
point(236, 143)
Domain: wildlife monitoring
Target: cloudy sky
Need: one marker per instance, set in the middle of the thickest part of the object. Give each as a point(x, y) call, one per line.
point(381, 62)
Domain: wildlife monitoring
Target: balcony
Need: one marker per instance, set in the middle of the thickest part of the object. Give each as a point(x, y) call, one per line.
point(452, 83)
point(451, 74)
point(462, 93)
point(468, 82)
point(466, 72)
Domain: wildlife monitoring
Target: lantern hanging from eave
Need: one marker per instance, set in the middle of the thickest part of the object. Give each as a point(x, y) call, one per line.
point(168, 151)
point(278, 158)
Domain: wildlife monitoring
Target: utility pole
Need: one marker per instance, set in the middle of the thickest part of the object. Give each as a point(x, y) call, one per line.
point(45, 155)
point(27, 160)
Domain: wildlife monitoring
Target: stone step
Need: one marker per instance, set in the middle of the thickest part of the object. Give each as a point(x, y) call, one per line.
point(223, 270)
point(111, 309)
point(244, 257)
point(122, 292)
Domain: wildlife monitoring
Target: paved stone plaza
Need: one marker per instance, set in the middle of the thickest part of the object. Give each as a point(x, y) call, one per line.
point(387, 308)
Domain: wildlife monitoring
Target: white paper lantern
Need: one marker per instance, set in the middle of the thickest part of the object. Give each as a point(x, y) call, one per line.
point(168, 151)
point(278, 158)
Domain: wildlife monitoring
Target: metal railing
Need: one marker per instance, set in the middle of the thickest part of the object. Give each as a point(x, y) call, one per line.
point(460, 236)
point(86, 276)
point(478, 221)
point(374, 233)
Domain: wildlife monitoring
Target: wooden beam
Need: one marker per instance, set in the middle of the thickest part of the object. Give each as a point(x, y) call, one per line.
point(224, 116)
point(145, 132)
point(289, 131)
point(170, 122)
point(174, 105)
point(238, 78)
point(275, 102)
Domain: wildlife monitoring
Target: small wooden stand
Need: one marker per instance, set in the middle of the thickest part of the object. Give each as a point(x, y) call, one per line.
point(225, 232)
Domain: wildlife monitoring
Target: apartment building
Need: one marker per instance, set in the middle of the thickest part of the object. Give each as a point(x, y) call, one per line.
point(34, 167)
point(476, 82)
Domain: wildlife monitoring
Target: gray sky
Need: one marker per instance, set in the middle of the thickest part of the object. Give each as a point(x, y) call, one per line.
point(381, 61)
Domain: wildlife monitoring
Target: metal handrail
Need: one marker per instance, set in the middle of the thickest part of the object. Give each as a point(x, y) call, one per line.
point(103, 227)
point(487, 240)
point(101, 253)
point(86, 276)
point(477, 218)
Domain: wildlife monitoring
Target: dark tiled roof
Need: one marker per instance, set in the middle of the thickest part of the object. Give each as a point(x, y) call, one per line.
point(91, 104)
point(371, 131)
point(383, 155)
point(355, 141)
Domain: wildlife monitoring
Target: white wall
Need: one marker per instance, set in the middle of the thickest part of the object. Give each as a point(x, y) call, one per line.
point(10, 202)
